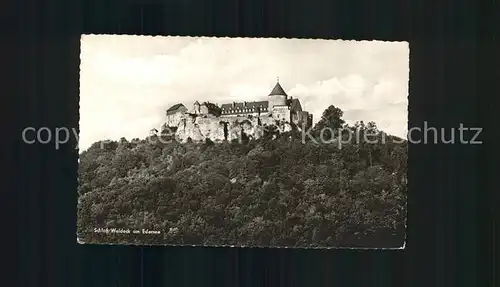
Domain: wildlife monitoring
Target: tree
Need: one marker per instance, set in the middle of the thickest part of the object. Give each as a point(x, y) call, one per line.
point(278, 192)
point(331, 119)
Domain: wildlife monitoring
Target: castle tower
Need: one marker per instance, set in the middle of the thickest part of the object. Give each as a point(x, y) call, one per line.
point(196, 107)
point(277, 97)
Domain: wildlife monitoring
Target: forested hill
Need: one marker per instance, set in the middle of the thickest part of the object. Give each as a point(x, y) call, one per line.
point(280, 192)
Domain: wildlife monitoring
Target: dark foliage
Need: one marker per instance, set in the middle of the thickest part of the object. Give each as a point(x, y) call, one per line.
point(265, 192)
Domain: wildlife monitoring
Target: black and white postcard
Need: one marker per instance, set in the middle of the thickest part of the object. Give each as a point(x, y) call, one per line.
point(243, 142)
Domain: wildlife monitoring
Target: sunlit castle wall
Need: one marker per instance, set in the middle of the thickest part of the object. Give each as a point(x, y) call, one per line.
point(300, 118)
point(277, 100)
point(173, 118)
point(281, 113)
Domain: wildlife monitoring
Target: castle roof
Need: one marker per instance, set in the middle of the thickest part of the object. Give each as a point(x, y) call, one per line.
point(239, 108)
point(277, 91)
point(174, 108)
point(210, 105)
point(294, 104)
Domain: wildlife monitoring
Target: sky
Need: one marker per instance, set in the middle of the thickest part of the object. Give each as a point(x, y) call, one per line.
point(127, 82)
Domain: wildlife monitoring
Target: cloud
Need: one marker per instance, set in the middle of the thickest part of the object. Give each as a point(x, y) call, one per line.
point(127, 82)
point(384, 102)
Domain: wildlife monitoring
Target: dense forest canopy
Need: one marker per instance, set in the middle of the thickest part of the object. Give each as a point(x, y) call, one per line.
point(274, 191)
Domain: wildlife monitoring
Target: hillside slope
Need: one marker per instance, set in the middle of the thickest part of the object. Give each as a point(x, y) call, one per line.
point(263, 192)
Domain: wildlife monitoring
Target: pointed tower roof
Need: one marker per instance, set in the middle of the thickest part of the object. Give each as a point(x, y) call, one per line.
point(278, 90)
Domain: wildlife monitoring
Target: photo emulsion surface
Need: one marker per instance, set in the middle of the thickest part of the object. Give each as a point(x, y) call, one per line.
point(245, 142)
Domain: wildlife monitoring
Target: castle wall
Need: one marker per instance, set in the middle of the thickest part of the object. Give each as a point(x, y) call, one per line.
point(253, 130)
point(173, 119)
point(196, 108)
point(281, 112)
point(204, 125)
point(203, 110)
point(218, 129)
point(300, 119)
point(276, 100)
point(200, 128)
point(267, 120)
point(255, 114)
point(250, 127)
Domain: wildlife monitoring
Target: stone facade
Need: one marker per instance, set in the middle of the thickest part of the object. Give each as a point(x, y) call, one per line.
point(281, 113)
point(174, 115)
point(206, 108)
point(233, 120)
point(199, 128)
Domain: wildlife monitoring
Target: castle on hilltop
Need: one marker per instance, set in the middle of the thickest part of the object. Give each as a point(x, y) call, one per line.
point(279, 110)
point(278, 107)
